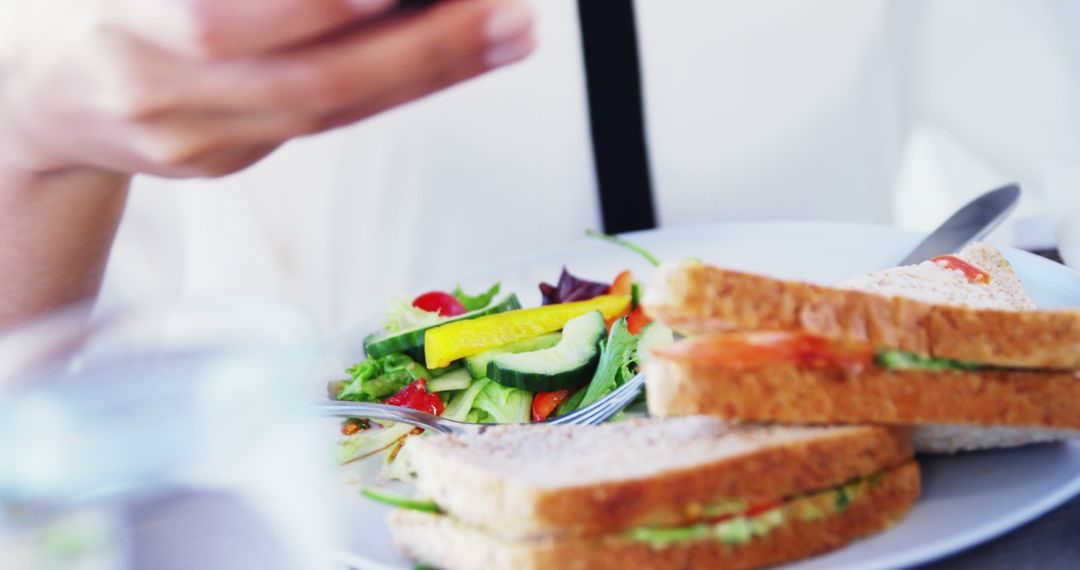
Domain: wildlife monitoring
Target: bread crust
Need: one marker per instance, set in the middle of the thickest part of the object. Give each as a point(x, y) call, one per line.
point(514, 508)
point(678, 496)
point(788, 394)
point(694, 298)
point(443, 542)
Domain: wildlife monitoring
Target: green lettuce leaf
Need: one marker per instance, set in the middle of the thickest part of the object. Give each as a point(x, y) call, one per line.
point(461, 404)
point(378, 378)
point(570, 404)
point(900, 360)
point(618, 356)
point(477, 302)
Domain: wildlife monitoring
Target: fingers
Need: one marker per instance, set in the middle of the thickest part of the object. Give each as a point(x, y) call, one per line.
point(219, 29)
point(440, 80)
point(374, 67)
point(130, 105)
point(227, 28)
point(409, 56)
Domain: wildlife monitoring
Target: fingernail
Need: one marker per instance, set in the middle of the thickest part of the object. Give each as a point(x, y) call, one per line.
point(511, 51)
point(508, 22)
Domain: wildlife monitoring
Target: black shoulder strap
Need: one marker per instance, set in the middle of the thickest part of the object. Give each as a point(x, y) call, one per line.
point(613, 77)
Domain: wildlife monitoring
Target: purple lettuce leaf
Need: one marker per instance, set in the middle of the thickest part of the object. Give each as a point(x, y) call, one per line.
point(571, 289)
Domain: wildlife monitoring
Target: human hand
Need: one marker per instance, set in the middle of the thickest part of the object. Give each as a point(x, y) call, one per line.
point(188, 88)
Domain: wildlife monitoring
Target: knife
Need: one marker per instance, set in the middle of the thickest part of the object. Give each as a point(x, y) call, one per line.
point(976, 219)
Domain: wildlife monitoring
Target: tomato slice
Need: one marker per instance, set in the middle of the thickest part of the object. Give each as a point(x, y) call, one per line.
point(762, 507)
point(544, 403)
point(758, 349)
point(445, 304)
point(754, 510)
point(417, 397)
point(973, 274)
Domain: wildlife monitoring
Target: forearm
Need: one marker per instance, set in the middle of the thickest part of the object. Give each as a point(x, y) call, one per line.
point(56, 230)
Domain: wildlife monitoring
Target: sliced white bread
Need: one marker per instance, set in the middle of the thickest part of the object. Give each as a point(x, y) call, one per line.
point(543, 480)
point(804, 526)
point(696, 298)
point(790, 393)
point(930, 282)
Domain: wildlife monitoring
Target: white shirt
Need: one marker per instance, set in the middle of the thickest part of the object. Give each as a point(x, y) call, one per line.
point(864, 110)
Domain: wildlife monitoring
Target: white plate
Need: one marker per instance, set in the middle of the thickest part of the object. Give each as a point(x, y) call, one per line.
point(966, 500)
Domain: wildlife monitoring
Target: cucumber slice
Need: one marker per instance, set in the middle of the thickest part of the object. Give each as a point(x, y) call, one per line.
point(381, 344)
point(457, 379)
point(478, 365)
point(900, 360)
point(655, 335)
point(565, 365)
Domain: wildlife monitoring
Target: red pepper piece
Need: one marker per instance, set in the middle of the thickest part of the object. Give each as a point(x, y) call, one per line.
point(623, 284)
point(544, 403)
point(637, 321)
point(417, 397)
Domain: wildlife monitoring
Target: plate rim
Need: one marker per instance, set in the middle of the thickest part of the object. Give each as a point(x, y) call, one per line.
point(981, 533)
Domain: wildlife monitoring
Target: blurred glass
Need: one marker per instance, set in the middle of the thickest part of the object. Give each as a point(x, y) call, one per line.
point(163, 438)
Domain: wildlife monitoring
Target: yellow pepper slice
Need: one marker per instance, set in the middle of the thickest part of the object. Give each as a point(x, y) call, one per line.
point(459, 339)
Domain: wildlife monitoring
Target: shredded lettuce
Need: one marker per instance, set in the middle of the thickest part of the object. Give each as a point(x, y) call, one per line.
point(401, 315)
point(370, 441)
point(503, 405)
point(461, 404)
point(378, 378)
point(477, 302)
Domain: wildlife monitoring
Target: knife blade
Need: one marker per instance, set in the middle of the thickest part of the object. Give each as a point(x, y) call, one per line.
point(971, 222)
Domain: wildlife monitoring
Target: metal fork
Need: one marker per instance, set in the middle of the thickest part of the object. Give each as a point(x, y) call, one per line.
point(595, 413)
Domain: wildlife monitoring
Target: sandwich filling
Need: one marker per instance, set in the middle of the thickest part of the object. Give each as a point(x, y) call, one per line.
point(731, 522)
point(742, 526)
point(744, 350)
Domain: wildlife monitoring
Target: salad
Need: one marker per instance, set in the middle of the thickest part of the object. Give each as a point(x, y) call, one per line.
point(483, 358)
